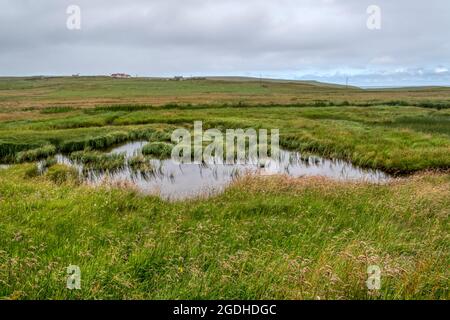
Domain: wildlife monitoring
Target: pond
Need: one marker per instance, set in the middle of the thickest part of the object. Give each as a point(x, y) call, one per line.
point(178, 181)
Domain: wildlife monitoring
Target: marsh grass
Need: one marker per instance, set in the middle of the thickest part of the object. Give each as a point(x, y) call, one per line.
point(161, 136)
point(94, 160)
point(97, 142)
point(32, 171)
point(392, 139)
point(44, 164)
point(118, 107)
point(52, 110)
point(161, 150)
point(140, 163)
point(60, 174)
point(264, 238)
point(435, 124)
point(36, 154)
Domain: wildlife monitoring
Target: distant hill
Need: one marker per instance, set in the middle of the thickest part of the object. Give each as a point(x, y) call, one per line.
point(306, 82)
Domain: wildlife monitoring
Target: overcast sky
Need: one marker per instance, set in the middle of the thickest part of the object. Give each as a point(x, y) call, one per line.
point(325, 40)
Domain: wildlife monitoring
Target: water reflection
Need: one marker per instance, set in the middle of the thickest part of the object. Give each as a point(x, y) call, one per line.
point(178, 181)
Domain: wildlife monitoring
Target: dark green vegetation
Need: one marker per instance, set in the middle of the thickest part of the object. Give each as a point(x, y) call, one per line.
point(60, 174)
point(36, 154)
point(56, 110)
point(98, 161)
point(264, 237)
point(159, 150)
point(140, 163)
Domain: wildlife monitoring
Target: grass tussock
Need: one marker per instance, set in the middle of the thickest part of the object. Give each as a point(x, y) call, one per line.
point(161, 150)
point(140, 163)
point(36, 154)
point(94, 160)
point(32, 172)
point(60, 174)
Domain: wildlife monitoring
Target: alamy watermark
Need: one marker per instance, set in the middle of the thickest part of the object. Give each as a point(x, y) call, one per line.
point(374, 278)
point(374, 19)
point(73, 278)
point(73, 21)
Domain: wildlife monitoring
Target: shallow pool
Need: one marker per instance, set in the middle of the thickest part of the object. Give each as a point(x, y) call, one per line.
point(178, 181)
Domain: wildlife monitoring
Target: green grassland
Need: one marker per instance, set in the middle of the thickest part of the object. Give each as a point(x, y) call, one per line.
point(271, 239)
point(264, 238)
point(39, 92)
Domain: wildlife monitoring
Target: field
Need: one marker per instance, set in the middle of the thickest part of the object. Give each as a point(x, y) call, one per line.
point(264, 237)
point(37, 92)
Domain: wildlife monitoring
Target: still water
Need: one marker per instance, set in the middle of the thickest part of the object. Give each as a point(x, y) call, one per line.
point(179, 181)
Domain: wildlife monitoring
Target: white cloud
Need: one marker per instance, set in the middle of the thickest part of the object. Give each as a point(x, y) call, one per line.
point(440, 70)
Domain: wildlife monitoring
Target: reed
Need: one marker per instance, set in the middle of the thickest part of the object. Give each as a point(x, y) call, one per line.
point(36, 154)
point(94, 160)
point(140, 163)
point(62, 109)
point(60, 174)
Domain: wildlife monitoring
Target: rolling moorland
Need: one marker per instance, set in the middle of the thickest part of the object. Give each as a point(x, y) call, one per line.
point(263, 238)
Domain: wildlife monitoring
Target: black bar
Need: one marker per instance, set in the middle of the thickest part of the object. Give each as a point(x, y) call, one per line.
point(228, 309)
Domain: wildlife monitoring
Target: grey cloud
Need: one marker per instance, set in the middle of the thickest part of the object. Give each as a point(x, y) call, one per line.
point(285, 38)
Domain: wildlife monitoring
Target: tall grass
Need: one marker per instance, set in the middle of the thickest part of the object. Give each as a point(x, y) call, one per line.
point(62, 109)
point(264, 238)
point(435, 124)
point(98, 142)
point(118, 107)
point(36, 154)
point(60, 174)
point(9, 150)
point(93, 160)
point(160, 150)
point(140, 163)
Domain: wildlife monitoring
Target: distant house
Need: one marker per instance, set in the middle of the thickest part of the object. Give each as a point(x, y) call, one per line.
point(120, 75)
point(178, 78)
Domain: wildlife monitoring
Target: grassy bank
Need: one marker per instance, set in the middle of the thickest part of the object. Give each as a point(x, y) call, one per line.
point(283, 238)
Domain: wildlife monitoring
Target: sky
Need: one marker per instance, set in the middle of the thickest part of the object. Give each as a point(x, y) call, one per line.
point(324, 40)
